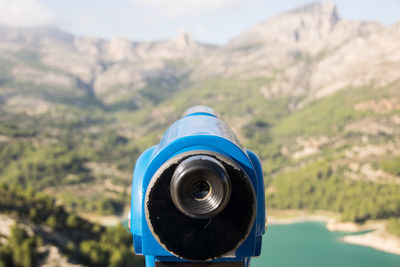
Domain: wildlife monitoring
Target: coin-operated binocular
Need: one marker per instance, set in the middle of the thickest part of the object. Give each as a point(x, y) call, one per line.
point(198, 196)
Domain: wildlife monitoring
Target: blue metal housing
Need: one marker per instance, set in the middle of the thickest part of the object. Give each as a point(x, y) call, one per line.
point(199, 129)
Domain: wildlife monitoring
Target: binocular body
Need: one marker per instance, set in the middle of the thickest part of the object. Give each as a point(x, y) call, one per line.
point(198, 196)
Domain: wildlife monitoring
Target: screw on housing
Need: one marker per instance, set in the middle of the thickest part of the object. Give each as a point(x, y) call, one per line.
point(200, 187)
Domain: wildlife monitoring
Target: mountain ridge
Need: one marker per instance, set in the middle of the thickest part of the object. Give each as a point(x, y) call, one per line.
point(287, 48)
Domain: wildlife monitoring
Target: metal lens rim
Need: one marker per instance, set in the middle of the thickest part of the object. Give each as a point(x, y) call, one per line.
point(186, 174)
point(206, 206)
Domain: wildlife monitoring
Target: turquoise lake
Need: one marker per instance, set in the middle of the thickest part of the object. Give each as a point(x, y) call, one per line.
point(311, 244)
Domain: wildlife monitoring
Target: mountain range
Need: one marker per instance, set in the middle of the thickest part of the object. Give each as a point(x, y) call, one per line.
point(307, 53)
point(317, 97)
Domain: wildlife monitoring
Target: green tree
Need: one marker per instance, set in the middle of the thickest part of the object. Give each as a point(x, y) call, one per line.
point(93, 253)
point(52, 221)
point(72, 220)
point(23, 247)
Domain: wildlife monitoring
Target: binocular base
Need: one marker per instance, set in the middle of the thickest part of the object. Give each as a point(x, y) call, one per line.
point(200, 264)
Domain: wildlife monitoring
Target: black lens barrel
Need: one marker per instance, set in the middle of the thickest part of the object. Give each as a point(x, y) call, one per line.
point(200, 205)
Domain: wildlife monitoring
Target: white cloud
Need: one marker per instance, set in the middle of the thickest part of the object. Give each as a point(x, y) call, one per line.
point(184, 8)
point(24, 13)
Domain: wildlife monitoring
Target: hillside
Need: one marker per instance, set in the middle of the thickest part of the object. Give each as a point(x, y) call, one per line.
point(37, 231)
point(317, 97)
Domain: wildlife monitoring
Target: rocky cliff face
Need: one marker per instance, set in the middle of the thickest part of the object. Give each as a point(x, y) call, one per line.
point(110, 70)
point(309, 53)
point(310, 29)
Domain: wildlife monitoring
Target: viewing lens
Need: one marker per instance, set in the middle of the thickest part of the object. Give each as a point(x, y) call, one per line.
point(200, 187)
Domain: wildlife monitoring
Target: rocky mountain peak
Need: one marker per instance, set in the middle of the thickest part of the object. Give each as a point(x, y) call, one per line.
point(183, 39)
point(326, 8)
point(308, 29)
point(120, 49)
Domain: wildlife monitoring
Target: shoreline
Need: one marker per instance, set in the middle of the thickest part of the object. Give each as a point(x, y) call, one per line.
point(296, 216)
point(378, 238)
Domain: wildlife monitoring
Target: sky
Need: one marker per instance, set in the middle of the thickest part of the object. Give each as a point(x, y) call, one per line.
point(208, 21)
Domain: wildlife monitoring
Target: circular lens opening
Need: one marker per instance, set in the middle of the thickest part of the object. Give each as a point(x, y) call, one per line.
point(200, 189)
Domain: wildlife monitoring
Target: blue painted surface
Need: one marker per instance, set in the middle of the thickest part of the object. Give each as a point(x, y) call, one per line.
point(197, 130)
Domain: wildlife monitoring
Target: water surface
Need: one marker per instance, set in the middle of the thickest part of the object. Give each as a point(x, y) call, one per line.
point(311, 244)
